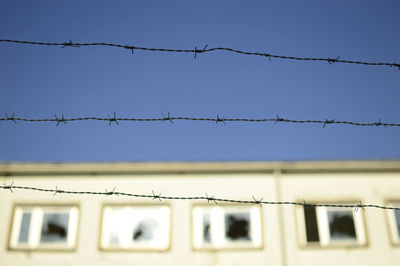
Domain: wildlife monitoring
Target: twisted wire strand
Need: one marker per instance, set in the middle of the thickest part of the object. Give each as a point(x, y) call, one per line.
point(207, 198)
point(217, 119)
point(196, 51)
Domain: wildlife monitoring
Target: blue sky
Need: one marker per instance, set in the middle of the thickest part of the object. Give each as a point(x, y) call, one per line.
point(39, 81)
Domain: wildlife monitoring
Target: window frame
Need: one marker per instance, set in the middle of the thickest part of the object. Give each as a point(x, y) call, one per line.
point(256, 224)
point(37, 211)
point(394, 233)
point(325, 241)
point(110, 248)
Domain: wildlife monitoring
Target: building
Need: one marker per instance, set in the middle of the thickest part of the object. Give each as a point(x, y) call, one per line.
point(47, 228)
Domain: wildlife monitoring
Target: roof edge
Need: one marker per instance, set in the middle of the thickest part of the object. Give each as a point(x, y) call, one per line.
point(31, 168)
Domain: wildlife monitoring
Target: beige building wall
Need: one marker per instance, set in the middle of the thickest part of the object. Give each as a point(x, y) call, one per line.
point(368, 182)
point(369, 188)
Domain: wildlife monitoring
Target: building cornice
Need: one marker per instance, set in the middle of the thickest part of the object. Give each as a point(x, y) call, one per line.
point(132, 168)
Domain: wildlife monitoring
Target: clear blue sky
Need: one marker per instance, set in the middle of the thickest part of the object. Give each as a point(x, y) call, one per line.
point(39, 81)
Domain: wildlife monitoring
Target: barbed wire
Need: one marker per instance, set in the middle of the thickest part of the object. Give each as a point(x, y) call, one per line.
point(209, 199)
point(218, 119)
point(205, 49)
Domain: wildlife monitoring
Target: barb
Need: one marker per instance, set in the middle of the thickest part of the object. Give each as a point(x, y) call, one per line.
point(8, 187)
point(258, 201)
point(359, 206)
point(112, 192)
point(333, 60)
point(132, 48)
point(268, 56)
point(112, 119)
point(204, 50)
point(217, 120)
point(379, 123)
point(71, 44)
point(57, 191)
point(196, 51)
point(60, 120)
point(396, 65)
point(211, 199)
point(156, 196)
point(328, 122)
point(12, 118)
point(208, 198)
point(168, 118)
point(279, 119)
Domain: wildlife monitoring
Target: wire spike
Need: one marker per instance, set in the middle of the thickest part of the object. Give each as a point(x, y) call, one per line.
point(112, 119)
point(219, 119)
point(359, 206)
point(129, 47)
point(379, 123)
point(333, 60)
point(328, 122)
point(70, 43)
point(112, 192)
point(9, 187)
point(60, 120)
point(278, 119)
point(258, 201)
point(12, 118)
point(268, 56)
point(196, 51)
point(396, 65)
point(212, 198)
point(167, 118)
point(57, 191)
point(155, 196)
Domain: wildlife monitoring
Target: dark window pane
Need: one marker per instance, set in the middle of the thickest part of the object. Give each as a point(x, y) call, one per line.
point(341, 225)
point(144, 230)
point(24, 230)
point(397, 216)
point(311, 224)
point(55, 227)
point(237, 226)
point(206, 227)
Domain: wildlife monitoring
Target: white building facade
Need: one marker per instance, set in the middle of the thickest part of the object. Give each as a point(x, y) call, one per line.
point(47, 228)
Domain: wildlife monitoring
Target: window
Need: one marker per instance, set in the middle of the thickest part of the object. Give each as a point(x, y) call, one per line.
point(330, 226)
point(394, 223)
point(44, 227)
point(132, 227)
point(220, 227)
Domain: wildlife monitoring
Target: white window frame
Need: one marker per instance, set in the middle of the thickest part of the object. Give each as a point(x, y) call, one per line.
point(324, 230)
point(217, 227)
point(394, 233)
point(35, 227)
point(162, 212)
